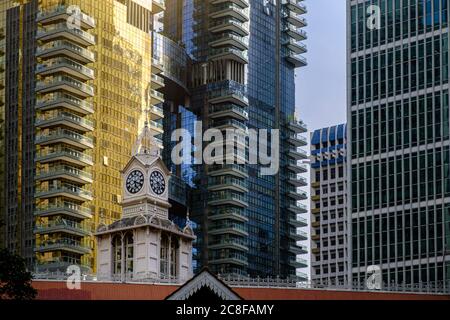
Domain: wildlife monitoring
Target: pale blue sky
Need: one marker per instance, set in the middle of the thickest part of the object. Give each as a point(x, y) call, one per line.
point(321, 86)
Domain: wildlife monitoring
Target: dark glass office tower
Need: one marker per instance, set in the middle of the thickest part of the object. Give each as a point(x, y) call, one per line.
point(398, 117)
point(244, 54)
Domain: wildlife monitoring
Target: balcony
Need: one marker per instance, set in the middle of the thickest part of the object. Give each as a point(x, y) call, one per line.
point(229, 25)
point(241, 3)
point(295, 6)
point(297, 181)
point(298, 263)
point(227, 183)
point(67, 66)
point(294, 19)
point(227, 197)
point(297, 154)
point(230, 213)
point(297, 208)
point(64, 244)
point(62, 100)
point(297, 140)
point(64, 155)
point(228, 110)
point(66, 119)
point(229, 124)
point(61, 13)
point(229, 54)
point(230, 10)
point(158, 6)
point(233, 96)
point(231, 258)
point(298, 235)
point(157, 66)
point(156, 113)
point(227, 39)
point(65, 136)
point(230, 243)
point(294, 166)
point(297, 60)
point(315, 211)
point(156, 97)
point(298, 249)
point(157, 82)
point(61, 265)
point(297, 126)
point(60, 48)
point(65, 208)
point(297, 195)
point(227, 228)
point(295, 46)
point(236, 170)
point(64, 190)
point(63, 226)
point(65, 83)
point(294, 32)
point(156, 127)
point(63, 31)
point(64, 172)
point(297, 222)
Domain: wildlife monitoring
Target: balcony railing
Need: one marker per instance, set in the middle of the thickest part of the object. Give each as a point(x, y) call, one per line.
point(60, 207)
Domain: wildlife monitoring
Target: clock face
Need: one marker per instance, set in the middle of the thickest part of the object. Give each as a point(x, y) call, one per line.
point(135, 181)
point(157, 182)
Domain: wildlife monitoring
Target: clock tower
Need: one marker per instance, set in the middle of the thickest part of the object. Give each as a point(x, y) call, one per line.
point(145, 244)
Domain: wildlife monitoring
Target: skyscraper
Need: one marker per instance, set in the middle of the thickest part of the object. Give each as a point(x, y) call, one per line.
point(244, 55)
point(329, 230)
point(398, 117)
point(79, 80)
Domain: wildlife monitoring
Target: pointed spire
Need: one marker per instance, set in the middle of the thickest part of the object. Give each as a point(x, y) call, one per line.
point(146, 143)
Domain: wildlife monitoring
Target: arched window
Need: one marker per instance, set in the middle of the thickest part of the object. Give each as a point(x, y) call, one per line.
point(164, 256)
point(117, 254)
point(129, 249)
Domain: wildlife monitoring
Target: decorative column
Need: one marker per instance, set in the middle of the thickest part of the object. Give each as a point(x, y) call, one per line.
point(122, 257)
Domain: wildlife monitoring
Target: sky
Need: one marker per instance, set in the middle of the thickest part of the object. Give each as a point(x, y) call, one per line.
point(321, 85)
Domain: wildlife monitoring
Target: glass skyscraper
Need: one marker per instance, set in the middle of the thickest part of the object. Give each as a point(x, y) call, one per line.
point(399, 160)
point(244, 55)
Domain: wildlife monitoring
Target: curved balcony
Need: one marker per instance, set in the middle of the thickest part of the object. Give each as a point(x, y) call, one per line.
point(298, 263)
point(294, 32)
point(295, 46)
point(66, 119)
point(229, 54)
point(230, 10)
point(241, 3)
point(297, 195)
point(228, 39)
point(64, 190)
point(232, 258)
point(67, 66)
point(297, 126)
point(297, 140)
point(298, 249)
point(156, 113)
point(65, 208)
point(64, 244)
point(297, 181)
point(297, 154)
point(65, 136)
point(156, 97)
point(157, 66)
point(294, 166)
point(228, 213)
point(297, 208)
point(64, 155)
point(65, 83)
point(296, 59)
point(63, 31)
point(230, 25)
point(63, 226)
point(60, 48)
point(228, 243)
point(227, 183)
point(228, 95)
point(236, 170)
point(157, 82)
point(298, 235)
point(158, 6)
point(294, 19)
point(66, 173)
point(62, 100)
point(227, 197)
point(297, 222)
point(225, 227)
point(62, 13)
point(295, 6)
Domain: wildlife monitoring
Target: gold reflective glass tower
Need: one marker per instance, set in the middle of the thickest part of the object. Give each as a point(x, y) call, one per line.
point(78, 85)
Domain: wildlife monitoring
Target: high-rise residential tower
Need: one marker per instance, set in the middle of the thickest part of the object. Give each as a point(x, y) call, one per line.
point(399, 157)
point(244, 55)
point(79, 80)
point(329, 231)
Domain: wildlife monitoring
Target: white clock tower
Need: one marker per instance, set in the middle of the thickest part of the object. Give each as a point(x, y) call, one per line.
point(145, 244)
